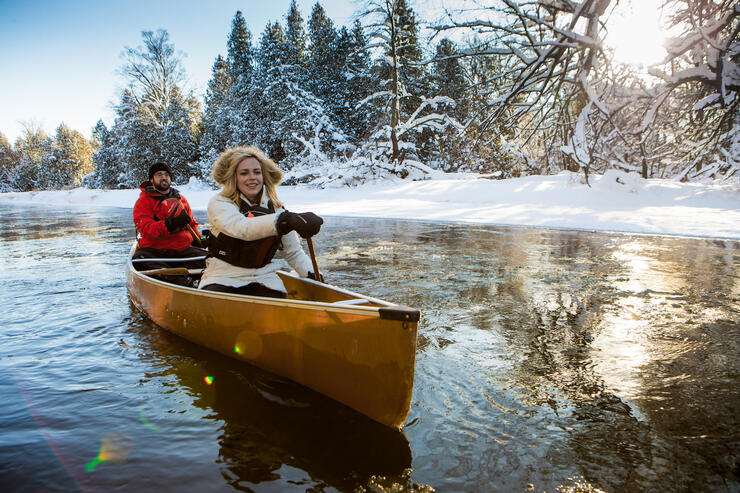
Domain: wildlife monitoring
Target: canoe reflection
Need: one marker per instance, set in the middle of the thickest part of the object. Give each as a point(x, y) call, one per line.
point(270, 422)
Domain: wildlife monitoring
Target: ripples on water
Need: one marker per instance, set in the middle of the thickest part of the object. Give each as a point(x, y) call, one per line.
point(547, 360)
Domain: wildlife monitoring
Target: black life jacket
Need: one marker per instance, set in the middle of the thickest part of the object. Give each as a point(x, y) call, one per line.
point(242, 253)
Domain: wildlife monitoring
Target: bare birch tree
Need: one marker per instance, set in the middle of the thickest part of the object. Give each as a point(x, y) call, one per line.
point(702, 74)
point(154, 74)
point(551, 53)
point(568, 101)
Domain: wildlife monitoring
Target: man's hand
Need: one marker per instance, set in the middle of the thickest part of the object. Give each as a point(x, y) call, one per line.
point(176, 223)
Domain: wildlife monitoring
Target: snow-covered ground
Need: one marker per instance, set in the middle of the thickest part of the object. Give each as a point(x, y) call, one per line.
point(615, 201)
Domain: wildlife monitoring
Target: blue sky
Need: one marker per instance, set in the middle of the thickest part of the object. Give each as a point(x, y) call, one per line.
point(58, 59)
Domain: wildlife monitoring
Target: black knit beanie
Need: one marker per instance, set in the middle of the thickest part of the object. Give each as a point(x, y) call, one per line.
point(159, 166)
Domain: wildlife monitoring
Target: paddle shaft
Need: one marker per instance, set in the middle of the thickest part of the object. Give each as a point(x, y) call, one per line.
point(195, 234)
point(313, 260)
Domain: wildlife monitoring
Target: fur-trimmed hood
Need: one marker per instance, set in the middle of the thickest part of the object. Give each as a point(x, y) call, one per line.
point(225, 166)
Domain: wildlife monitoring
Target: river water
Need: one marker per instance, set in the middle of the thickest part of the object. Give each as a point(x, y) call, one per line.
point(548, 360)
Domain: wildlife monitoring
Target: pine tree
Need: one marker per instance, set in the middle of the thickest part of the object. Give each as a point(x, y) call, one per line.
point(278, 114)
point(339, 64)
point(136, 141)
point(391, 67)
point(9, 161)
point(321, 35)
point(105, 161)
point(448, 76)
point(31, 147)
point(216, 133)
point(243, 63)
point(325, 62)
point(446, 149)
point(273, 49)
point(239, 46)
point(409, 52)
point(69, 159)
point(357, 82)
point(322, 60)
point(219, 89)
point(295, 35)
point(229, 89)
point(178, 138)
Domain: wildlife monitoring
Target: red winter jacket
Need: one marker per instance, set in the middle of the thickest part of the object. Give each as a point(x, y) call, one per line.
point(149, 215)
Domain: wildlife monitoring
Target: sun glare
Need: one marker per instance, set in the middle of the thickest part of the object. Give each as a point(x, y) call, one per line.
point(635, 32)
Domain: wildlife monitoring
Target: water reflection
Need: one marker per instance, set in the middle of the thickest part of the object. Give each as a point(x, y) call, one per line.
point(554, 345)
point(270, 425)
point(589, 352)
point(547, 360)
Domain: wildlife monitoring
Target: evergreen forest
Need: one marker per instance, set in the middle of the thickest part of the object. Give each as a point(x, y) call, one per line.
point(504, 89)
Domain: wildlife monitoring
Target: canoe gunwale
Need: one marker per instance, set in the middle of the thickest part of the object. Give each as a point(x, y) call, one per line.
point(388, 310)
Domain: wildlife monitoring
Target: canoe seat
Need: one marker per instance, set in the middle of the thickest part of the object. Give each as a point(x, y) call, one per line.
point(354, 301)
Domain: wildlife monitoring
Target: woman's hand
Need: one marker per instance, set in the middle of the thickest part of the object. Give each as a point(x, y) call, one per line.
point(311, 275)
point(306, 224)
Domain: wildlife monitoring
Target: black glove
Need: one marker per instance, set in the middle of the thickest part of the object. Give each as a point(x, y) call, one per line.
point(311, 275)
point(205, 235)
point(305, 224)
point(177, 222)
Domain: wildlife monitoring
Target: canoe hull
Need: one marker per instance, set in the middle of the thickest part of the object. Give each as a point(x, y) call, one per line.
point(355, 355)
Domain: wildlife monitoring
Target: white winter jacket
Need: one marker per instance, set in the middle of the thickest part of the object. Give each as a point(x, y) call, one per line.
point(224, 216)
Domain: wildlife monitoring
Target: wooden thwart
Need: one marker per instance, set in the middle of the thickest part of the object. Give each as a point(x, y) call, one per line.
point(171, 271)
point(355, 301)
point(157, 259)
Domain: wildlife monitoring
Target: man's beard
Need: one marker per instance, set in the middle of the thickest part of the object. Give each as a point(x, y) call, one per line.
point(160, 189)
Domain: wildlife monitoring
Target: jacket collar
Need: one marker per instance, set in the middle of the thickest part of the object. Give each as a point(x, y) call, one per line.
point(263, 198)
point(147, 188)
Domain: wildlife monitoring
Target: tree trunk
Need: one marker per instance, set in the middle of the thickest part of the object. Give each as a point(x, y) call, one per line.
point(396, 104)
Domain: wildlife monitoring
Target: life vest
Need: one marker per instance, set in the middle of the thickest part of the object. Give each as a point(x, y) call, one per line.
point(251, 254)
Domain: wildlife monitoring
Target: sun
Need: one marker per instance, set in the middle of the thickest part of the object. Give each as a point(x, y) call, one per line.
point(635, 32)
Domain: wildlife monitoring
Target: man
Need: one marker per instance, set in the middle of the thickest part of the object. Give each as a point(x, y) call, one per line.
point(165, 224)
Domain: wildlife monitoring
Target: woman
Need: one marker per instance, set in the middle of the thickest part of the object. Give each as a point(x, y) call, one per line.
point(249, 224)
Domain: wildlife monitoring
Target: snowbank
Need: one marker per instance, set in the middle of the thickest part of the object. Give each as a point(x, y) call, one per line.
point(616, 201)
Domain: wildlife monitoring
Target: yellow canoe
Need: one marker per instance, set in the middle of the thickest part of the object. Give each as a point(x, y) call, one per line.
point(358, 350)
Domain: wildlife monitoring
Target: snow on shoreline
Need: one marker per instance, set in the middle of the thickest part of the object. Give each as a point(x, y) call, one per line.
point(615, 201)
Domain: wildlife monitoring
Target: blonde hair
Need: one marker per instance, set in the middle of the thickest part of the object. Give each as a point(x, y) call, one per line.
point(224, 173)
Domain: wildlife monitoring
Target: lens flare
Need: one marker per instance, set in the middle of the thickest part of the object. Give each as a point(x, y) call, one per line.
point(208, 380)
point(148, 423)
point(116, 447)
point(249, 345)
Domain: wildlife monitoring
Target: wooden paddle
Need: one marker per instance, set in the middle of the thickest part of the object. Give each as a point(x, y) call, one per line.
point(195, 235)
point(313, 260)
